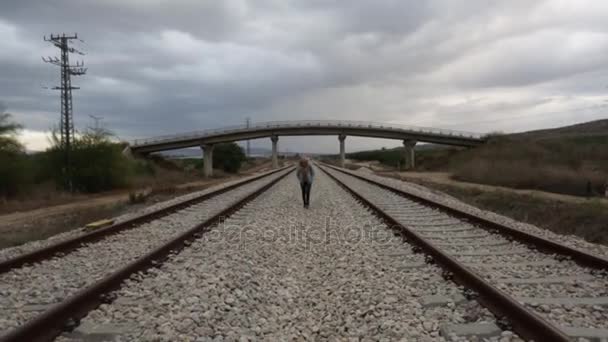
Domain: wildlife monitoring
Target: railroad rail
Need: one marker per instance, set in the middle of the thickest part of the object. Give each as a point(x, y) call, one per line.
point(536, 278)
point(278, 270)
point(66, 314)
point(522, 283)
point(69, 245)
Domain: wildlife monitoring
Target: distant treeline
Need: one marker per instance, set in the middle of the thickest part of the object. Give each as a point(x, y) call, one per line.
point(430, 158)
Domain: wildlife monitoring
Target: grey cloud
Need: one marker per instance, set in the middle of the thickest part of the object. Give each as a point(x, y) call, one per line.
point(157, 68)
point(212, 20)
point(394, 17)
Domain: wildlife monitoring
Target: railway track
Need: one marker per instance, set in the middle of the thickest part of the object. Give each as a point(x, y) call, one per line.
point(40, 250)
point(366, 261)
point(276, 271)
point(545, 290)
point(46, 290)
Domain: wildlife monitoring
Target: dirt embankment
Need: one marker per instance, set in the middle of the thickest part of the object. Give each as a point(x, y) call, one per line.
point(444, 178)
point(21, 226)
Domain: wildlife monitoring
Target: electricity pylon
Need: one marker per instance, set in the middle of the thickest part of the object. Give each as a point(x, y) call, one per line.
point(66, 124)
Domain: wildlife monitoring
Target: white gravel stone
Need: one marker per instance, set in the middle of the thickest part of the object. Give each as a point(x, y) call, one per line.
point(422, 191)
point(277, 271)
point(535, 279)
point(12, 252)
point(53, 280)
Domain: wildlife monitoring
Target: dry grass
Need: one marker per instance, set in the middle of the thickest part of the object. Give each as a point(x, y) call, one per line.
point(167, 176)
point(575, 166)
point(586, 220)
point(43, 228)
point(520, 175)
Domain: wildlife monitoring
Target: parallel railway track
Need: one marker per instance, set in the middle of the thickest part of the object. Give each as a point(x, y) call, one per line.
point(537, 288)
point(547, 291)
point(277, 271)
point(71, 244)
point(67, 283)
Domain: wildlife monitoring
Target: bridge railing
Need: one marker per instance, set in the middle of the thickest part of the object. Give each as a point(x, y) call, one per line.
point(304, 123)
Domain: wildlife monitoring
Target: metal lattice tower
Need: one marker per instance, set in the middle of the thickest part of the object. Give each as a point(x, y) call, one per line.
point(66, 123)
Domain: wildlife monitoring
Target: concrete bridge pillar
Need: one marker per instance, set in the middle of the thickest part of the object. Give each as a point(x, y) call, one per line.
point(410, 157)
point(207, 160)
point(342, 137)
point(275, 157)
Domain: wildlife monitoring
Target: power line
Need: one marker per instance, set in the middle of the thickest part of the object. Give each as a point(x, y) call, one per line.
point(66, 123)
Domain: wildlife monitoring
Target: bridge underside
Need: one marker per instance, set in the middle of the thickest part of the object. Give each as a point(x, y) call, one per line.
point(206, 140)
point(300, 131)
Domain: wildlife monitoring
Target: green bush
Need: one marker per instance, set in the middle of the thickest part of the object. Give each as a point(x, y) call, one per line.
point(14, 173)
point(143, 167)
point(391, 157)
point(192, 164)
point(96, 164)
point(228, 157)
point(14, 168)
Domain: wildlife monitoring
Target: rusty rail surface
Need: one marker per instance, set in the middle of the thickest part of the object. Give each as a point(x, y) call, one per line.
point(581, 257)
point(67, 314)
point(72, 244)
point(524, 322)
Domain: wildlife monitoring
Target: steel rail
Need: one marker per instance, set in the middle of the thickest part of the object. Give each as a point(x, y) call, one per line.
point(72, 244)
point(525, 322)
point(67, 314)
point(581, 257)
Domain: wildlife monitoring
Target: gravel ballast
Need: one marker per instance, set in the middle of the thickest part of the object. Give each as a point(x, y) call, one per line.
point(12, 252)
point(566, 294)
point(440, 197)
point(26, 291)
point(277, 271)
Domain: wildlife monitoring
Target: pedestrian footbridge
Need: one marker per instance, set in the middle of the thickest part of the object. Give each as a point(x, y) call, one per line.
point(410, 135)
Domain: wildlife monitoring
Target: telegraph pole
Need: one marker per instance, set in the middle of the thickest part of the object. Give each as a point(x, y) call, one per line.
point(66, 123)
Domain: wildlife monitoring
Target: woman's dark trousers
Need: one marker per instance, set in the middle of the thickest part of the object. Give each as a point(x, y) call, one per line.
point(305, 192)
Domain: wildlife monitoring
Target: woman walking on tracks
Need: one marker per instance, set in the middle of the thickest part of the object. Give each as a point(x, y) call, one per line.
point(305, 175)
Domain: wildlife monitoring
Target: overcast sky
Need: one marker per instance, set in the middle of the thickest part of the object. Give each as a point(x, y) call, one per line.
point(167, 66)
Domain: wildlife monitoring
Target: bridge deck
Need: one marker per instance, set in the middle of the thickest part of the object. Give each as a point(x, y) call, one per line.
point(311, 127)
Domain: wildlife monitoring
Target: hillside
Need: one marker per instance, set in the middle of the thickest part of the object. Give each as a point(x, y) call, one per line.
point(598, 128)
point(570, 160)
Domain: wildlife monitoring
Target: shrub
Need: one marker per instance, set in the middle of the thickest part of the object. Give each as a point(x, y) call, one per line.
point(228, 157)
point(13, 161)
point(14, 173)
point(137, 197)
point(97, 164)
point(390, 157)
point(143, 167)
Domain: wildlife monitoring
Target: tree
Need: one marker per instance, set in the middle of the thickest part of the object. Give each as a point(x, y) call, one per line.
point(97, 162)
point(228, 157)
point(12, 158)
point(8, 132)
